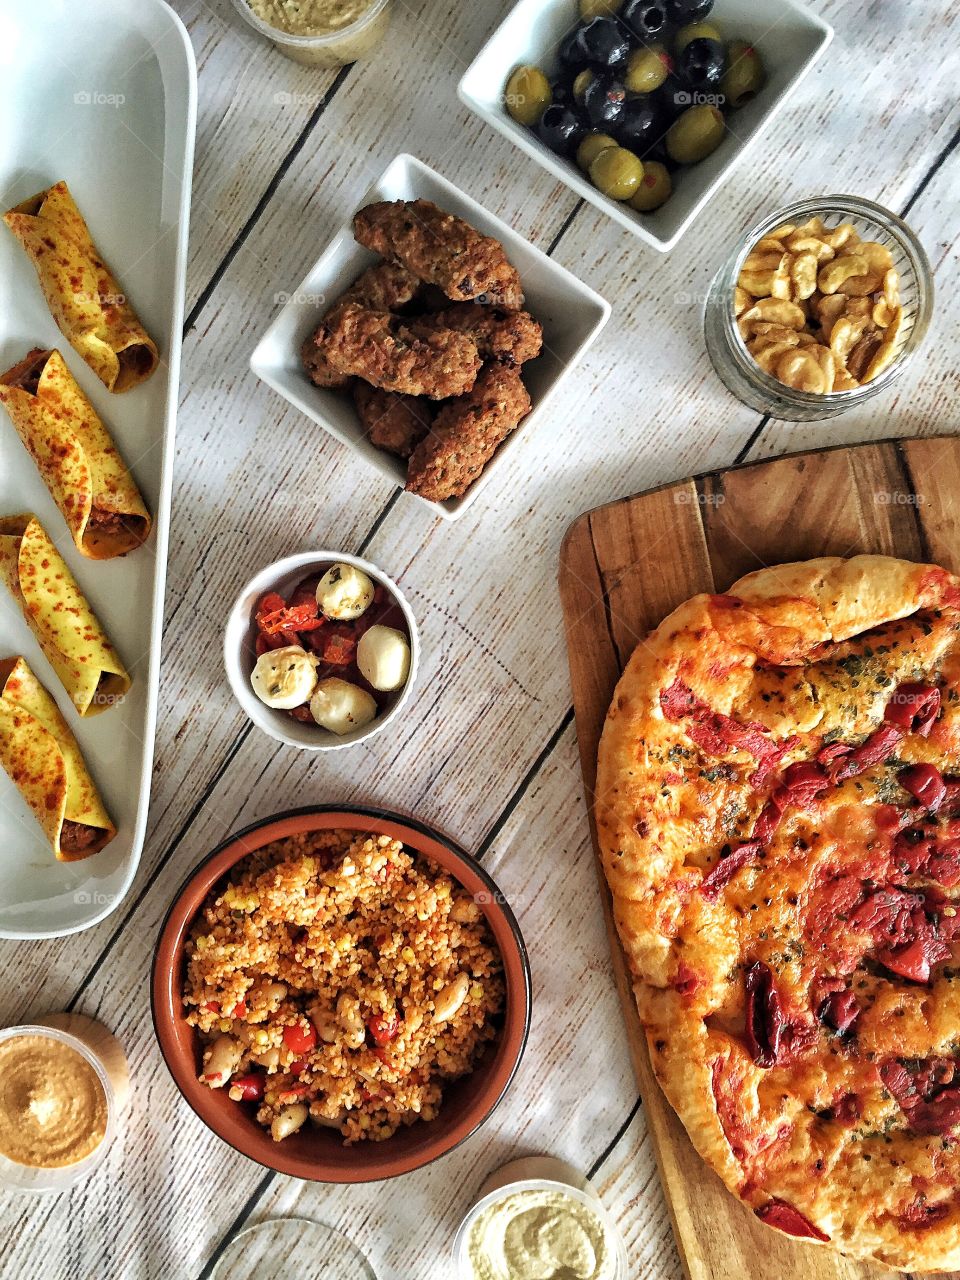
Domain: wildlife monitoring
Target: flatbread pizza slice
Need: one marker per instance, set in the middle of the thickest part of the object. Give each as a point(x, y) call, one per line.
point(778, 816)
point(43, 760)
point(75, 455)
point(81, 291)
point(69, 633)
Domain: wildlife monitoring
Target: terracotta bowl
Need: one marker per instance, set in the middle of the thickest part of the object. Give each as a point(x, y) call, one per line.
point(315, 1153)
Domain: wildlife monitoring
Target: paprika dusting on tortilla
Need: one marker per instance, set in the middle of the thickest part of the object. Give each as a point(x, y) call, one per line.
point(75, 456)
point(83, 295)
point(43, 760)
point(57, 612)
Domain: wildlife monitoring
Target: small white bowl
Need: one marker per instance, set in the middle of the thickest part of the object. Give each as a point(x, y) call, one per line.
point(538, 1173)
point(240, 656)
point(571, 314)
point(790, 40)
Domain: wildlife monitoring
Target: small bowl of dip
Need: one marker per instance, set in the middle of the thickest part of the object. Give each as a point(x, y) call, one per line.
point(539, 1216)
point(60, 1094)
point(319, 33)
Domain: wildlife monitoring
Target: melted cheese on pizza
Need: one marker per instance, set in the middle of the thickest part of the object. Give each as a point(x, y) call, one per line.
point(778, 807)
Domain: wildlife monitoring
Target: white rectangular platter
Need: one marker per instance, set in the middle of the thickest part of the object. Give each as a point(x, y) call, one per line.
point(101, 94)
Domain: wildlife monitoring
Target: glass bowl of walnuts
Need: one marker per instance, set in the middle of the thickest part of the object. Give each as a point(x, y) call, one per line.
point(819, 308)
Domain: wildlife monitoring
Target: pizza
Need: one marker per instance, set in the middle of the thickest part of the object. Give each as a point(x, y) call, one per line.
point(778, 814)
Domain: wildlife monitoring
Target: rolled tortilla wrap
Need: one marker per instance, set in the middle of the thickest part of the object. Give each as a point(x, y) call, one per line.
point(81, 292)
point(70, 636)
point(75, 455)
point(42, 758)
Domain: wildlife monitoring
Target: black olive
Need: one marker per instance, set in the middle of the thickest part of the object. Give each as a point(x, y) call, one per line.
point(604, 101)
point(702, 63)
point(683, 11)
point(561, 91)
point(570, 53)
point(673, 97)
point(642, 126)
point(645, 19)
point(603, 43)
point(561, 129)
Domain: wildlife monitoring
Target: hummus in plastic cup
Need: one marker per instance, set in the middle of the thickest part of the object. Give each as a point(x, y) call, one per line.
point(319, 33)
point(539, 1216)
point(62, 1083)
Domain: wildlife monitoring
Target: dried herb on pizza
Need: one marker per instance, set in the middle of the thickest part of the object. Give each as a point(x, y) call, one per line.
point(778, 809)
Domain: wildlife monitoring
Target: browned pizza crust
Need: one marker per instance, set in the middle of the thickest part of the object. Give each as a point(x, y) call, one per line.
point(784, 880)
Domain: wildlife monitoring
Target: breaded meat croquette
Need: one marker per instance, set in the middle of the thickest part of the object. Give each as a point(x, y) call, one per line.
point(467, 433)
point(512, 337)
point(398, 355)
point(441, 249)
point(392, 422)
point(387, 286)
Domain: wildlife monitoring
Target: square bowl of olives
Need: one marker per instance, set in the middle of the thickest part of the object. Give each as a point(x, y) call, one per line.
point(642, 107)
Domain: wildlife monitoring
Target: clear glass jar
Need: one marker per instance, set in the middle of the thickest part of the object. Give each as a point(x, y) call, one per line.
point(335, 49)
point(737, 368)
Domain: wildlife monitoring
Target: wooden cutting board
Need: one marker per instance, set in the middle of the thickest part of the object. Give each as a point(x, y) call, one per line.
point(623, 568)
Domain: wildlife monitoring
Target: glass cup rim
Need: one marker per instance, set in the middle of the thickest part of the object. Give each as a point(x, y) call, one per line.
point(871, 211)
point(279, 36)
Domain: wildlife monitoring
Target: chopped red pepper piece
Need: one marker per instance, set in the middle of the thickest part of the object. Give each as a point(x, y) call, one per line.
point(840, 1011)
point(765, 1019)
point(786, 1218)
point(383, 1030)
point(724, 871)
point(925, 783)
point(913, 707)
point(873, 751)
point(339, 648)
point(247, 1088)
point(301, 1037)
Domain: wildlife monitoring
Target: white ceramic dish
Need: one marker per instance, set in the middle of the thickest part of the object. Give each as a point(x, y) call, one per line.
point(110, 106)
point(240, 656)
point(790, 40)
point(571, 314)
point(538, 1173)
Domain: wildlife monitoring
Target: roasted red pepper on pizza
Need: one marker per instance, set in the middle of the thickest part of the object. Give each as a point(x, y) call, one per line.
point(778, 810)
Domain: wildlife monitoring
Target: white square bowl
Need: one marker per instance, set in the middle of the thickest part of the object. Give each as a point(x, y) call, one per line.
point(571, 314)
point(789, 38)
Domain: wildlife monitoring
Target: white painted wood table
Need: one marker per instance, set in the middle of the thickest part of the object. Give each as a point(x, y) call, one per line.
point(487, 749)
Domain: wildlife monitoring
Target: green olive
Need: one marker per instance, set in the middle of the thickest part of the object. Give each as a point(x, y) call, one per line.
point(695, 31)
point(655, 187)
point(591, 147)
point(581, 84)
point(616, 172)
point(745, 75)
point(695, 134)
point(527, 95)
point(599, 8)
point(646, 69)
